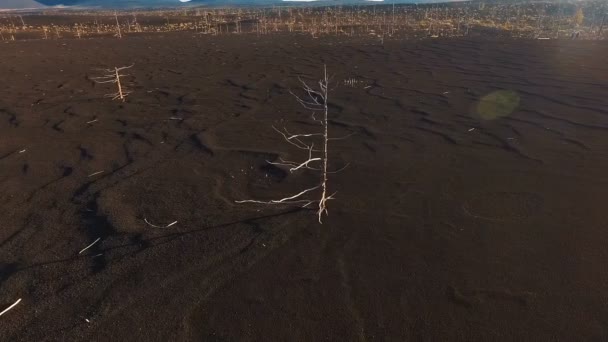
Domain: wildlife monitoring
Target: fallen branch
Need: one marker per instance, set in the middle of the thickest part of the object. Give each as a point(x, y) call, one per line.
point(155, 226)
point(94, 173)
point(89, 246)
point(10, 307)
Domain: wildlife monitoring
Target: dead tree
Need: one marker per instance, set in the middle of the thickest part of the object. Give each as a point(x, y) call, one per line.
point(113, 76)
point(118, 34)
point(318, 160)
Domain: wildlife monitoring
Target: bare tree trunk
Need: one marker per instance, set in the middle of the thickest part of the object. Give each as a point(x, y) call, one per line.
point(317, 101)
point(114, 76)
point(118, 33)
point(324, 198)
point(120, 94)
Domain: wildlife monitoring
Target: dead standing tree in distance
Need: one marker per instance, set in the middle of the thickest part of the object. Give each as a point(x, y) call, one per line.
point(318, 160)
point(118, 33)
point(114, 76)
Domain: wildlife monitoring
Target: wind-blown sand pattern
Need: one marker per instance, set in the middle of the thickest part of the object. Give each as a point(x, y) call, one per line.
point(455, 220)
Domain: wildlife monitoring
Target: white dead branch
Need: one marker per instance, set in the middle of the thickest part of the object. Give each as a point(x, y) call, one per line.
point(287, 200)
point(156, 226)
point(95, 174)
point(318, 160)
point(10, 307)
point(113, 76)
point(89, 246)
point(118, 33)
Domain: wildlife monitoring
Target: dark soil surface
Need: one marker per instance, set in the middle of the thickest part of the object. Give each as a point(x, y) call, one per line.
point(473, 207)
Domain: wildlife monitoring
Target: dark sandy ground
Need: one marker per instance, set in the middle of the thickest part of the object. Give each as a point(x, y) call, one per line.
point(449, 223)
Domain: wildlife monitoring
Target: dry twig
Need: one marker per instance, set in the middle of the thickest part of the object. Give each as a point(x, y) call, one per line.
point(155, 226)
point(89, 246)
point(10, 307)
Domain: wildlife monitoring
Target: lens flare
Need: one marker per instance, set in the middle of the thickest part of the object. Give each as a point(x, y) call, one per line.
point(497, 104)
